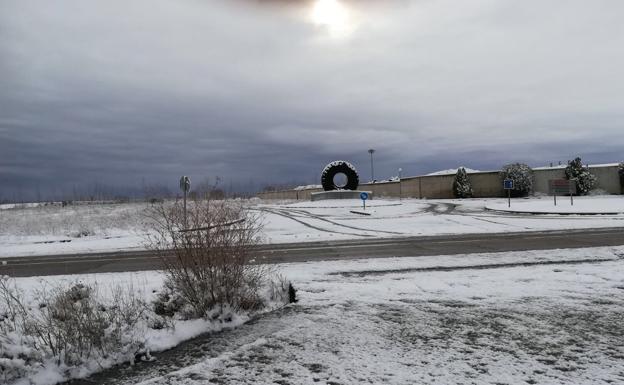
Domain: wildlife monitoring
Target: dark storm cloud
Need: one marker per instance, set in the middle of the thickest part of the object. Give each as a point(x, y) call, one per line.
point(118, 93)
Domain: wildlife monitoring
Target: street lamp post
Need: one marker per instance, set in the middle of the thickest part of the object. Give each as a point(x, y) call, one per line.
point(400, 189)
point(371, 152)
point(185, 186)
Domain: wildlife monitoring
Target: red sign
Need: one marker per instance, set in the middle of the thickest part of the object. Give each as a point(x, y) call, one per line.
point(562, 186)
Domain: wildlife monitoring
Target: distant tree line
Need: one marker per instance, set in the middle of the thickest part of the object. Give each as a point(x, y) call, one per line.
point(101, 192)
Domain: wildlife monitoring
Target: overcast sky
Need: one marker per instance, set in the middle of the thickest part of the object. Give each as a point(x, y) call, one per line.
point(120, 92)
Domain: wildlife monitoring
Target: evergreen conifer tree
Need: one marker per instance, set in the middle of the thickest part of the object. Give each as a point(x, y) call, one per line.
point(585, 180)
point(462, 188)
point(522, 177)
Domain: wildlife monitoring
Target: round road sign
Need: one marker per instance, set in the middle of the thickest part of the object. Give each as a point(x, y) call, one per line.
point(185, 184)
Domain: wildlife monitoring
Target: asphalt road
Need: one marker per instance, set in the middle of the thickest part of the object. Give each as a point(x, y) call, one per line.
point(318, 251)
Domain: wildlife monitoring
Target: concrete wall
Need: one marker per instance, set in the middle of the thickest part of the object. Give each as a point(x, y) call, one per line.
point(435, 186)
point(484, 184)
point(380, 190)
point(487, 185)
point(540, 182)
point(608, 179)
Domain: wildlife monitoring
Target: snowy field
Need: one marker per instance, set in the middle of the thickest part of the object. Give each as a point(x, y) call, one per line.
point(83, 228)
point(115, 227)
point(542, 317)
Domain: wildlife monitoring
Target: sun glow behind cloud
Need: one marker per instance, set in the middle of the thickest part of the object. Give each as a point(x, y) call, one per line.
point(481, 81)
point(334, 16)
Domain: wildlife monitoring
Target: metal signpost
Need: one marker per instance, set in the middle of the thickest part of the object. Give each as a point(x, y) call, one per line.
point(364, 197)
point(508, 185)
point(185, 186)
point(562, 187)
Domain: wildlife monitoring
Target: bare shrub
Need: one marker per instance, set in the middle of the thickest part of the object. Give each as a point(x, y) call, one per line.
point(72, 326)
point(207, 265)
point(282, 290)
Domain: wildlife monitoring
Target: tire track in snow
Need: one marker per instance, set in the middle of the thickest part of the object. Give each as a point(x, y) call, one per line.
point(291, 217)
point(320, 218)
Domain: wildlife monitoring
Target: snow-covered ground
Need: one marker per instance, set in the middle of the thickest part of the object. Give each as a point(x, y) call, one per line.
point(146, 285)
point(583, 205)
point(406, 322)
point(54, 229)
point(23, 352)
point(115, 227)
point(541, 317)
point(326, 220)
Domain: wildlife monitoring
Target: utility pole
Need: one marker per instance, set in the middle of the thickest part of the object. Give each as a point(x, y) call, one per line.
point(400, 189)
point(371, 152)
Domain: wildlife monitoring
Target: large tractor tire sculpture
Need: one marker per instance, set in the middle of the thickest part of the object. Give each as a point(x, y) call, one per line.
point(339, 167)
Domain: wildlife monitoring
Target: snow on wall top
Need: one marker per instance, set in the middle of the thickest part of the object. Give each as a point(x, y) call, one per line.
point(560, 166)
point(451, 171)
point(308, 187)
